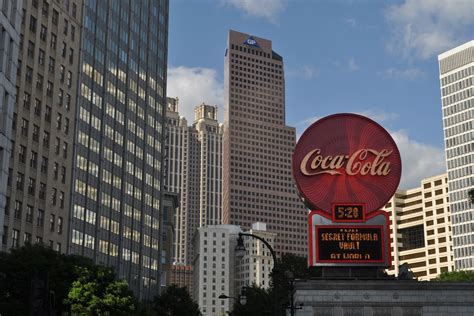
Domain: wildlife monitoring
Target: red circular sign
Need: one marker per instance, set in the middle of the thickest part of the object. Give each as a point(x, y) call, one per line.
point(346, 158)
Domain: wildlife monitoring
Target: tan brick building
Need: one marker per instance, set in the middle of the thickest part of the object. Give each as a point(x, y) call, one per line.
point(421, 229)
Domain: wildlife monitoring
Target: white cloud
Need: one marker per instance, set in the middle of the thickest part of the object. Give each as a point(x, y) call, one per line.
point(419, 160)
point(267, 9)
point(352, 64)
point(424, 28)
point(378, 115)
point(194, 86)
point(305, 72)
point(351, 21)
point(407, 73)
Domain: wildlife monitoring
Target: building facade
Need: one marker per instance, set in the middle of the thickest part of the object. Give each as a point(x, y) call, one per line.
point(116, 210)
point(257, 179)
point(9, 49)
point(255, 266)
point(421, 233)
point(194, 170)
point(456, 68)
point(182, 276)
point(214, 268)
point(40, 171)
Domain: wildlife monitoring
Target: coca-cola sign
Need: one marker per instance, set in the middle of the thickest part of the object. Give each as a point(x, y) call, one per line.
point(346, 158)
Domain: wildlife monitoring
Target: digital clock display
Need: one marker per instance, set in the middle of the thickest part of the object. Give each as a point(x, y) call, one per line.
point(348, 213)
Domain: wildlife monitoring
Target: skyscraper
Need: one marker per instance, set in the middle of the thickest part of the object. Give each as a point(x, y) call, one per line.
point(40, 170)
point(9, 45)
point(194, 170)
point(258, 184)
point(456, 68)
point(117, 183)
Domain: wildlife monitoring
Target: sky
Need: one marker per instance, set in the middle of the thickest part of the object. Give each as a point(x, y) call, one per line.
point(375, 58)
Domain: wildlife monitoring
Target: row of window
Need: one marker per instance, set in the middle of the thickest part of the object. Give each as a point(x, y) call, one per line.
point(55, 225)
point(27, 239)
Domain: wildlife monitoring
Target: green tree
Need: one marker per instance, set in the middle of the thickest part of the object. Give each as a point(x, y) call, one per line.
point(456, 276)
point(175, 301)
point(96, 291)
point(22, 267)
point(258, 302)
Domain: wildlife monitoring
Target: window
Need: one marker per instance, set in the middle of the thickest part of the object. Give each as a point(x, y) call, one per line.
point(64, 50)
point(63, 174)
point(29, 74)
point(31, 186)
point(45, 10)
point(60, 97)
point(66, 126)
point(22, 153)
point(42, 191)
point(36, 133)
point(40, 218)
point(46, 139)
point(44, 165)
point(17, 210)
point(54, 194)
point(61, 199)
point(20, 178)
point(55, 170)
point(27, 238)
point(69, 79)
point(34, 159)
point(24, 127)
point(52, 221)
point(59, 120)
point(64, 150)
point(32, 24)
point(60, 225)
point(57, 145)
point(412, 237)
point(49, 89)
point(47, 114)
point(68, 101)
point(62, 71)
point(15, 234)
point(29, 214)
point(41, 57)
point(53, 41)
point(43, 33)
point(31, 49)
point(73, 33)
point(66, 27)
point(39, 81)
point(37, 108)
point(55, 17)
point(71, 56)
point(26, 100)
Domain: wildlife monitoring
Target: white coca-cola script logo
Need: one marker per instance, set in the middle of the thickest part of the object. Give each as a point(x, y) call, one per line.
point(315, 163)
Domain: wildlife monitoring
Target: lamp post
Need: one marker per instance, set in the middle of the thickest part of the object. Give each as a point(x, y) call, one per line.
point(224, 297)
point(240, 249)
point(243, 296)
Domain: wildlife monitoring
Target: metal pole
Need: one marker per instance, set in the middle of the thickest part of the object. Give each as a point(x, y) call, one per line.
point(275, 296)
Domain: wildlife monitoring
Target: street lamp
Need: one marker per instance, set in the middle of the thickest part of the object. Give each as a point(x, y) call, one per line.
point(240, 251)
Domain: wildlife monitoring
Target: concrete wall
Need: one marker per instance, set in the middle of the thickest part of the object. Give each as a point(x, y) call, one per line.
point(384, 297)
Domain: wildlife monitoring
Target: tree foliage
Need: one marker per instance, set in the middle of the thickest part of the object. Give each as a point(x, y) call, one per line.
point(96, 291)
point(259, 302)
point(456, 276)
point(21, 266)
point(175, 301)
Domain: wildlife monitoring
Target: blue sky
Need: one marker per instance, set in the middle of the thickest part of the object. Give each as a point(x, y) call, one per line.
point(377, 58)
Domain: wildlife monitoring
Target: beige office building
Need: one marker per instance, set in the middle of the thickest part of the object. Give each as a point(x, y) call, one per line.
point(258, 184)
point(421, 229)
point(194, 170)
point(39, 181)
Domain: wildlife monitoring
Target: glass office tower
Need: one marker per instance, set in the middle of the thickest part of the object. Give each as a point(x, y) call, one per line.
point(116, 216)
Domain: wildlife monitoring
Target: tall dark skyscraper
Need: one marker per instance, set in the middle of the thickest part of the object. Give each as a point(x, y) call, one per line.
point(117, 185)
point(257, 182)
